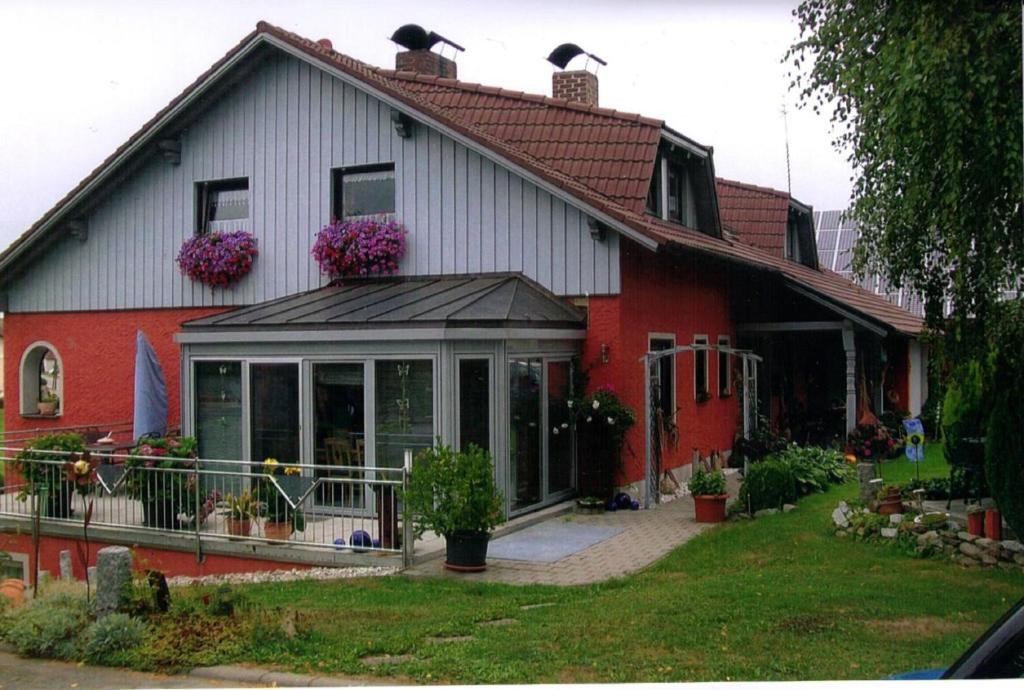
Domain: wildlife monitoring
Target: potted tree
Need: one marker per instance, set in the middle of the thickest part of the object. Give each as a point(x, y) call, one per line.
point(453, 494)
point(241, 510)
point(709, 495)
point(45, 473)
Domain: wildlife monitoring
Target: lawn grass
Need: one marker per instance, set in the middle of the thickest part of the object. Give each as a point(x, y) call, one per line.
point(775, 598)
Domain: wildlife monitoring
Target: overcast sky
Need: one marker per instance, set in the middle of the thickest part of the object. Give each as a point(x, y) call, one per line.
point(77, 78)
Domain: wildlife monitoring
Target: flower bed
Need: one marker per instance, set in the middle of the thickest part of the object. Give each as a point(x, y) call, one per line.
point(923, 540)
point(218, 259)
point(365, 247)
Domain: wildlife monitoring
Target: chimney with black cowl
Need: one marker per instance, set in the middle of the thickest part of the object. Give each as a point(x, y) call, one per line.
point(578, 85)
point(418, 56)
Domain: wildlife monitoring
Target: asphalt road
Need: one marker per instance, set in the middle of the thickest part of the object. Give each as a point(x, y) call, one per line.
point(34, 674)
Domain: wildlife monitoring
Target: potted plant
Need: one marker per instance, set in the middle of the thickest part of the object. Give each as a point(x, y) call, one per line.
point(993, 523)
point(709, 495)
point(241, 510)
point(976, 520)
point(890, 500)
point(281, 518)
point(45, 473)
point(453, 494)
point(158, 473)
point(47, 404)
point(359, 247)
point(218, 259)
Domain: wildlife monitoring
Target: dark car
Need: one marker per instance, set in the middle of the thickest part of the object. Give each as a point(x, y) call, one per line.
point(999, 653)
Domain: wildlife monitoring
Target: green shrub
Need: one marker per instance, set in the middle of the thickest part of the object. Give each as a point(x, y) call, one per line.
point(964, 416)
point(48, 627)
point(112, 635)
point(453, 491)
point(816, 468)
point(1004, 447)
point(768, 484)
point(704, 483)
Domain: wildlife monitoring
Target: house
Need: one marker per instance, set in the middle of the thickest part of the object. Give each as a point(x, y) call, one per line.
point(544, 233)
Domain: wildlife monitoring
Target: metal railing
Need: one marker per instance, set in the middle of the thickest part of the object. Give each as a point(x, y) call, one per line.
point(327, 508)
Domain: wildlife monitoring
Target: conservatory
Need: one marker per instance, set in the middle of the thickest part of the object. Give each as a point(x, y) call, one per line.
point(359, 374)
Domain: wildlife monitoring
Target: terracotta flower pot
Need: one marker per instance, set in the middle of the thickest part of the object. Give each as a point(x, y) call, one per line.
point(976, 524)
point(278, 531)
point(239, 528)
point(14, 591)
point(994, 524)
point(47, 408)
point(710, 508)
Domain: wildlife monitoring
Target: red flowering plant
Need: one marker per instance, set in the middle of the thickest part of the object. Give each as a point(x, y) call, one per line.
point(871, 442)
point(360, 247)
point(156, 468)
point(218, 259)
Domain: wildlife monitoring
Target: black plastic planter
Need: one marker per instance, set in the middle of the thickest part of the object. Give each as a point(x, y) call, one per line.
point(160, 514)
point(466, 552)
point(58, 501)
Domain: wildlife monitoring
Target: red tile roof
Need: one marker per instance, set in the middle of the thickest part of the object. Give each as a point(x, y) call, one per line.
point(536, 133)
point(610, 152)
point(757, 215)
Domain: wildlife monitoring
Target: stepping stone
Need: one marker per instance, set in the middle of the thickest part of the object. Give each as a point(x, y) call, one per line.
point(498, 622)
point(442, 639)
point(528, 607)
point(387, 659)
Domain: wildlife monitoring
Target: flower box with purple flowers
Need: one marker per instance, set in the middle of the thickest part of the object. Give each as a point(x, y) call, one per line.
point(218, 259)
point(360, 247)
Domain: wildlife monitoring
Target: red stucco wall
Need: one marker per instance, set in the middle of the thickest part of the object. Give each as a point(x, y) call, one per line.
point(97, 353)
point(661, 294)
point(145, 558)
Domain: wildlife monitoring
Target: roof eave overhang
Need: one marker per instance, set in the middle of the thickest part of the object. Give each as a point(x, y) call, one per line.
point(383, 332)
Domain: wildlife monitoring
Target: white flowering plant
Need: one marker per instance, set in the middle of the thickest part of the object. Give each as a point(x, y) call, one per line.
point(601, 422)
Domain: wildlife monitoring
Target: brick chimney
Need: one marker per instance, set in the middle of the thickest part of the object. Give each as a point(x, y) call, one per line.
point(578, 86)
point(426, 62)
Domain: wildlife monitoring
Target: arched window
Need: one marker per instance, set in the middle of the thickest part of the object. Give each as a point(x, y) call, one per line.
point(42, 380)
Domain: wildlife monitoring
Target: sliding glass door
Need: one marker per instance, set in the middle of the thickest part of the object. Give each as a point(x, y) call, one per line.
point(339, 432)
point(540, 438)
point(274, 412)
point(404, 409)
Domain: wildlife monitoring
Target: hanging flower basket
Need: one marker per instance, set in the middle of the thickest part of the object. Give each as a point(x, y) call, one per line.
point(218, 259)
point(364, 247)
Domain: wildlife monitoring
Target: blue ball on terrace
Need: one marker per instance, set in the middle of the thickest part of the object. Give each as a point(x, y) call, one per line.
point(376, 543)
point(361, 538)
point(635, 505)
point(623, 500)
point(612, 506)
point(339, 543)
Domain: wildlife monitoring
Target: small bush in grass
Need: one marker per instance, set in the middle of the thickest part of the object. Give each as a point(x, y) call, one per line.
point(768, 484)
point(112, 635)
point(48, 627)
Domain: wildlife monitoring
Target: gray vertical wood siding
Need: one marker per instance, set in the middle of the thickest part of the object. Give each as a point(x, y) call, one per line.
point(285, 127)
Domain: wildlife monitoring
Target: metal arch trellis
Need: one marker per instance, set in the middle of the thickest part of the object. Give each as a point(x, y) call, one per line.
point(749, 359)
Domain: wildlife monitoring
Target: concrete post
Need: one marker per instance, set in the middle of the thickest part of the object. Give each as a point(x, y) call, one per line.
point(114, 574)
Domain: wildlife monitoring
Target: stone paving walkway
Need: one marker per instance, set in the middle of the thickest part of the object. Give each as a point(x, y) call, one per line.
point(648, 535)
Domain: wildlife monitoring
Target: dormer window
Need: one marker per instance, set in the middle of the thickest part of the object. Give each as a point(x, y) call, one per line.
point(671, 196)
point(792, 241)
point(364, 191)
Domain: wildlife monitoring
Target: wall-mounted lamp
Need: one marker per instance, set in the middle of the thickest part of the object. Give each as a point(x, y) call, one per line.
point(597, 229)
point(402, 123)
point(170, 149)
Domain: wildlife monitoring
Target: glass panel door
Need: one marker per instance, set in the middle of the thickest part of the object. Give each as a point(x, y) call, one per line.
point(560, 464)
point(524, 431)
point(274, 408)
point(218, 421)
point(474, 403)
point(339, 437)
point(404, 409)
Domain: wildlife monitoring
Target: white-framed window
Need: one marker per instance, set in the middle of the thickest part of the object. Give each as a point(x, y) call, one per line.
point(222, 205)
point(367, 190)
point(701, 390)
point(724, 368)
point(42, 380)
point(666, 372)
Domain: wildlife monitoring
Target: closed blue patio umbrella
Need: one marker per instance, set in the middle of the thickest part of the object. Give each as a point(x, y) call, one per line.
point(150, 391)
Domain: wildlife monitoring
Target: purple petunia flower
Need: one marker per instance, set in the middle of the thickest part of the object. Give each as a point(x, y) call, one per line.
point(363, 247)
point(218, 259)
